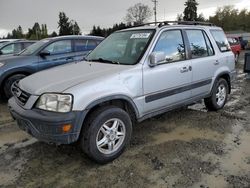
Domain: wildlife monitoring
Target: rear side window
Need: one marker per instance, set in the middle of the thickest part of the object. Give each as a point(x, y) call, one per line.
point(221, 40)
point(80, 45)
point(199, 44)
point(91, 45)
point(98, 42)
point(171, 43)
point(85, 45)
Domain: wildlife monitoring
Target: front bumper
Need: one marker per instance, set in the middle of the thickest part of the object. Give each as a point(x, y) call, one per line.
point(47, 126)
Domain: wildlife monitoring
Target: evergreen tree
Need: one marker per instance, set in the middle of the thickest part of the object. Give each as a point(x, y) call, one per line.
point(190, 11)
point(44, 31)
point(53, 34)
point(67, 27)
point(75, 29)
point(64, 24)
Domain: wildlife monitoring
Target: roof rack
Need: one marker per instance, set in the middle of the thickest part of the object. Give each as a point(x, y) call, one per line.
point(163, 23)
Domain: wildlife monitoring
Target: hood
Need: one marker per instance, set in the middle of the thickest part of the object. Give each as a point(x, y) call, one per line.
point(60, 78)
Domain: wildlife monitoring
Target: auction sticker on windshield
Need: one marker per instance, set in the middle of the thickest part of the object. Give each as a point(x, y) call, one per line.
point(140, 35)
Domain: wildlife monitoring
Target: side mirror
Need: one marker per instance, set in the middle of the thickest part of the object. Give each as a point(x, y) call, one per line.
point(44, 53)
point(156, 58)
point(1, 53)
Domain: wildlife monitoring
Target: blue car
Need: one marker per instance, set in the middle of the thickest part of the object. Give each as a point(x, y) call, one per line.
point(42, 55)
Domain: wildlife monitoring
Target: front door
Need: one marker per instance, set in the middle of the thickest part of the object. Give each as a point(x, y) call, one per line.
point(61, 52)
point(167, 84)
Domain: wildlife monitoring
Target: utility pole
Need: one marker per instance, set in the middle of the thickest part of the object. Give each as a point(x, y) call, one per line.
point(155, 11)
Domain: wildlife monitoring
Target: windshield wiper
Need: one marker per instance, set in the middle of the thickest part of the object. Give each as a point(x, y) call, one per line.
point(104, 61)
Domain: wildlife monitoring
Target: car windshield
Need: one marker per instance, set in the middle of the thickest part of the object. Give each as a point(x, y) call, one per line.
point(125, 47)
point(34, 47)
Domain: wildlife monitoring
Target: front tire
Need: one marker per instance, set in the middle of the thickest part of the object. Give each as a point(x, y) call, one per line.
point(8, 83)
point(219, 96)
point(106, 134)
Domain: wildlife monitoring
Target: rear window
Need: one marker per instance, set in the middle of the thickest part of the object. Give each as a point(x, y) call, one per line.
point(221, 40)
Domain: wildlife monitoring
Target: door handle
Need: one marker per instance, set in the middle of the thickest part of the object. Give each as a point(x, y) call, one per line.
point(184, 69)
point(216, 62)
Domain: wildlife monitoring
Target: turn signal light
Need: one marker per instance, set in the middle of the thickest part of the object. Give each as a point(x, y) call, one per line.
point(66, 128)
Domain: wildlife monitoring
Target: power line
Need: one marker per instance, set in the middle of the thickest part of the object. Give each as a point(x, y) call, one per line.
point(155, 10)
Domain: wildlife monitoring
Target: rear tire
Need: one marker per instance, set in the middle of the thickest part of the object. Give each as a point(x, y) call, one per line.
point(106, 134)
point(8, 83)
point(219, 95)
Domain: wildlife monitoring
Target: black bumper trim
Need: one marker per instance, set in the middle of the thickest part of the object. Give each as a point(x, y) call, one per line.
point(47, 126)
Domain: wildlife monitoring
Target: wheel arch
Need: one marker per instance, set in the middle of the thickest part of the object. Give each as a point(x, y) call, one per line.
point(225, 75)
point(8, 74)
point(122, 101)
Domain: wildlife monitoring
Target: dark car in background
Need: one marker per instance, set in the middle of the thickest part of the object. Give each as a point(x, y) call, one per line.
point(42, 55)
point(14, 47)
point(235, 46)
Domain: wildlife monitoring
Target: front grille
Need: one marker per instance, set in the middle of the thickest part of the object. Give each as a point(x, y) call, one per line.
point(21, 96)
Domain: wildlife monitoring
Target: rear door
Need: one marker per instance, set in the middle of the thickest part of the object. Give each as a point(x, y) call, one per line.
point(61, 52)
point(167, 84)
point(204, 61)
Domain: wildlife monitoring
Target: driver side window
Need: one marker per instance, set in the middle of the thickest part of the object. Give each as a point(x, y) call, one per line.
point(59, 47)
point(171, 43)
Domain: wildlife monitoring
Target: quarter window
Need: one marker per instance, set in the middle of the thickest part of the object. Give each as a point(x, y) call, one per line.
point(221, 40)
point(171, 43)
point(198, 44)
point(58, 47)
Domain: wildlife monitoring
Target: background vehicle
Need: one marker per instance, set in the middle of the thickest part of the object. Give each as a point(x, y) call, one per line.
point(132, 75)
point(14, 47)
point(245, 42)
point(235, 46)
point(42, 55)
point(2, 41)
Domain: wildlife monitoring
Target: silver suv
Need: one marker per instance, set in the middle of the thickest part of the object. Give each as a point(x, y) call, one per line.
point(133, 75)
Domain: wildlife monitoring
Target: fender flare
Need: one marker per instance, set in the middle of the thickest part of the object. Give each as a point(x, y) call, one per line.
point(219, 75)
point(114, 97)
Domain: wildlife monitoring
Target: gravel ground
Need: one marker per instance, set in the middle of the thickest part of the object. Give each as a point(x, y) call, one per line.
point(184, 148)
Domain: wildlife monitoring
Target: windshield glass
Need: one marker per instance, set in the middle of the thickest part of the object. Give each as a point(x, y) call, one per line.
point(126, 47)
point(34, 47)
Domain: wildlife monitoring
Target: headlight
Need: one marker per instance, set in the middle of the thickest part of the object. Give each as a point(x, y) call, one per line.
point(1, 64)
point(55, 102)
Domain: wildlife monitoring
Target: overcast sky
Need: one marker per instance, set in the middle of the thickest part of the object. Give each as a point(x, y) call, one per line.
point(92, 12)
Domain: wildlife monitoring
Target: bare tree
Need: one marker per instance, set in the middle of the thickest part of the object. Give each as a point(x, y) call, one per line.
point(138, 14)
